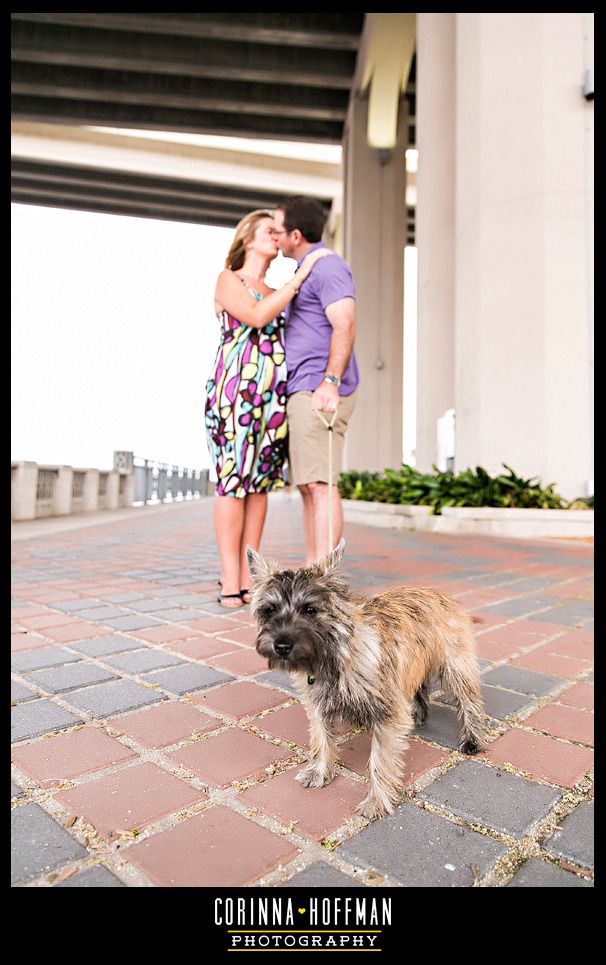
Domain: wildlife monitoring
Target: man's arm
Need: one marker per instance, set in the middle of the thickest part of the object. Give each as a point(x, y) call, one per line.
point(342, 316)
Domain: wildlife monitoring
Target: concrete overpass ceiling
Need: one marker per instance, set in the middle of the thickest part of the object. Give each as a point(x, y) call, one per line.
point(280, 76)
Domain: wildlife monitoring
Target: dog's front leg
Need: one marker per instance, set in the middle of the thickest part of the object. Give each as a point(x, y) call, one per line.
point(322, 766)
point(385, 766)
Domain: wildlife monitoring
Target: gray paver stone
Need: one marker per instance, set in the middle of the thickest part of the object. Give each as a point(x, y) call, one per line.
point(41, 657)
point(92, 878)
point(104, 700)
point(177, 615)
point(133, 622)
point(497, 703)
point(144, 660)
point(521, 680)
point(278, 678)
point(150, 606)
point(540, 874)
point(521, 605)
point(322, 875)
point(74, 606)
point(574, 839)
point(38, 717)
point(441, 726)
point(493, 798)
point(422, 850)
point(61, 679)
point(568, 615)
point(38, 844)
point(101, 646)
point(190, 676)
point(102, 613)
point(19, 693)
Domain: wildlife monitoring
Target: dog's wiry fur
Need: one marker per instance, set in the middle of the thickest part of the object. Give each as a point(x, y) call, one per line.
point(369, 660)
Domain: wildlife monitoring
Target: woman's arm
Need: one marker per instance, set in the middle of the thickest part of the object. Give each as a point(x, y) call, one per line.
point(235, 298)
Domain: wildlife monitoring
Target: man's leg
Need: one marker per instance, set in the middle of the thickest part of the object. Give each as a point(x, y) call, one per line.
point(319, 499)
point(308, 525)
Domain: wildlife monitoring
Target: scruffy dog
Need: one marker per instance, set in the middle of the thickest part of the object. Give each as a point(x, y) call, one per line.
point(366, 660)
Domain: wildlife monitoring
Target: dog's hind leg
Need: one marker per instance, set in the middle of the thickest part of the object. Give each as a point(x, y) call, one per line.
point(322, 766)
point(389, 741)
point(462, 678)
point(420, 704)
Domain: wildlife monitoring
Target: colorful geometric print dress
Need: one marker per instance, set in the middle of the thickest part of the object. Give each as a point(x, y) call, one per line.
point(245, 410)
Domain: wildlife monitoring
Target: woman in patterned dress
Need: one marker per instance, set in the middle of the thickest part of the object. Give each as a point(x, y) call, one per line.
point(245, 409)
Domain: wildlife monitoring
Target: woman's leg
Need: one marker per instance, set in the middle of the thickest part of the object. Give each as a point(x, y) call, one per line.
point(254, 520)
point(229, 526)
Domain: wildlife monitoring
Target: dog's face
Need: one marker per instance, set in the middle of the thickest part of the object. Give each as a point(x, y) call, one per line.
point(299, 613)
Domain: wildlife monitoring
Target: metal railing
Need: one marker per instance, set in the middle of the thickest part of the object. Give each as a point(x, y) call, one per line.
point(38, 491)
point(164, 482)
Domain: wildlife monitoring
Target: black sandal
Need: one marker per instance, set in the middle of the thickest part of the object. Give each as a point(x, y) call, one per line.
point(229, 596)
point(242, 595)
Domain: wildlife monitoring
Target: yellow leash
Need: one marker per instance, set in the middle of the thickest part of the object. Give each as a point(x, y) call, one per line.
point(329, 426)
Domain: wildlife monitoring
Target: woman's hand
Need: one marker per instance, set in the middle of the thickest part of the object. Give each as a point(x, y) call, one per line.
point(308, 263)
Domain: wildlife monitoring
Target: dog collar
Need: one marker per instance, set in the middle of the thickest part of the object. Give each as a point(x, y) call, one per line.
point(310, 679)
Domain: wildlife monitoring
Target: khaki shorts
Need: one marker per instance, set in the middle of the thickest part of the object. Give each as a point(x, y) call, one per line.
point(308, 439)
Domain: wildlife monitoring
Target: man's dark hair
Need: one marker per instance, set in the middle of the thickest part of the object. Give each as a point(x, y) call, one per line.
point(306, 214)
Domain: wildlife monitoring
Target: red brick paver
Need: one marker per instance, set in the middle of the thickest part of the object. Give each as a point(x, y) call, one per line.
point(241, 699)
point(581, 696)
point(73, 632)
point(574, 725)
point(217, 848)
point(164, 724)
point(201, 647)
point(66, 756)
point(246, 662)
point(129, 799)
point(27, 641)
point(551, 663)
point(317, 811)
point(231, 756)
point(543, 757)
point(290, 724)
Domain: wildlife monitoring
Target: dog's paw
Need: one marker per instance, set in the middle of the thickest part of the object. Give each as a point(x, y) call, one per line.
point(419, 715)
point(314, 777)
point(372, 808)
point(473, 745)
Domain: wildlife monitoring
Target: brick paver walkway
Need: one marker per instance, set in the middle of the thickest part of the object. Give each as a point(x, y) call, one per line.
point(152, 747)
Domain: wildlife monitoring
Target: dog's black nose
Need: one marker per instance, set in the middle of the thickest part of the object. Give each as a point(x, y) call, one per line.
point(282, 647)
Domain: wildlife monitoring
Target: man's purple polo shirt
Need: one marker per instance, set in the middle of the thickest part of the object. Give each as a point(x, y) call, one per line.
point(308, 331)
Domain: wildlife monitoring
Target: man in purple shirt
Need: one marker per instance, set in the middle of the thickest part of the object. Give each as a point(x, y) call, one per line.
point(322, 369)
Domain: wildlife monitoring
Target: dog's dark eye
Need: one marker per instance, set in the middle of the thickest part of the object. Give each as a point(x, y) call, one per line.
point(310, 611)
point(267, 611)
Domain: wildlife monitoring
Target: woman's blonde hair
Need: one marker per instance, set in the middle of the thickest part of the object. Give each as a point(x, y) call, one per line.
point(245, 231)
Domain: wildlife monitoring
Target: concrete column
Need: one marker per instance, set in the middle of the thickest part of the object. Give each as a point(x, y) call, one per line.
point(112, 490)
point(374, 239)
point(62, 496)
point(523, 246)
point(435, 227)
point(24, 482)
point(127, 497)
point(90, 491)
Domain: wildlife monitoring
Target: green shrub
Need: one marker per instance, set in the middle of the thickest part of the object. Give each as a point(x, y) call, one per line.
point(438, 489)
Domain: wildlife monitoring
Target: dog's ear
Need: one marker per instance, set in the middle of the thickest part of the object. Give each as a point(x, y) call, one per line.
point(333, 560)
point(259, 568)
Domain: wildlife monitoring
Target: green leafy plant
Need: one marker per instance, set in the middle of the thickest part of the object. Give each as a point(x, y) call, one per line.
point(408, 485)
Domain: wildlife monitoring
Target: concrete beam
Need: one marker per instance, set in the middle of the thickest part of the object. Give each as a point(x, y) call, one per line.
point(386, 53)
point(156, 156)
